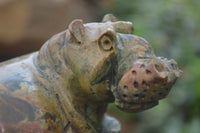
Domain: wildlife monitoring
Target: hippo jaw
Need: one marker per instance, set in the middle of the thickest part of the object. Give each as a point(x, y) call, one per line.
point(135, 107)
point(148, 81)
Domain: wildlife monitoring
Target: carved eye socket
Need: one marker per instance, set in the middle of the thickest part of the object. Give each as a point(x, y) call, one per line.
point(106, 42)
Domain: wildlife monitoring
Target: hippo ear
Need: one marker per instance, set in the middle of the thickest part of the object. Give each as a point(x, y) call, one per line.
point(76, 29)
point(109, 17)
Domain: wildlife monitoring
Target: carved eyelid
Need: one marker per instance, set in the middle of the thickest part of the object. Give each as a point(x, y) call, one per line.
point(111, 34)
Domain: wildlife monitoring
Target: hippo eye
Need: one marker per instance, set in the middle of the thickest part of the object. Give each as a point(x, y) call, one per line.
point(106, 42)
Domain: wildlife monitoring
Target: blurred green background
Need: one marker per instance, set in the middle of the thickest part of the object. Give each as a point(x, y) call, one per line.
point(172, 27)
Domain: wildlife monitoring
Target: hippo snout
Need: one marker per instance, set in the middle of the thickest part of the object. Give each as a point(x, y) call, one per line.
point(142, 79)
point(148, 81)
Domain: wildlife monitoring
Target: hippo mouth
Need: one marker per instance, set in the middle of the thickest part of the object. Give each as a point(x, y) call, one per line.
point(143, 85)
point(133, 107)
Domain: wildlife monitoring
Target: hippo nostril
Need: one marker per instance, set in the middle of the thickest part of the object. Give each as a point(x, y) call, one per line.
point(124, 95)
point(135, 84)
point(136, 97)
point(134, 72)
point(148, 71)
point(125, 87)
point(144, 83)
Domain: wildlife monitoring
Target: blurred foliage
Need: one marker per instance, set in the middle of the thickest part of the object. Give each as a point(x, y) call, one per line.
point(172, 27)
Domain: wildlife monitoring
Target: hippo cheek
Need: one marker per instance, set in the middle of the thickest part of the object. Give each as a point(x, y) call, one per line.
point(142, 86)
point(103, 71)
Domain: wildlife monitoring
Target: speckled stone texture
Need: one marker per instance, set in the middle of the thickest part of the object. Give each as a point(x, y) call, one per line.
point(65, 86)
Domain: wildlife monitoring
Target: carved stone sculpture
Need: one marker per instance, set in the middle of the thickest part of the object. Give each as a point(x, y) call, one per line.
point(66, 86)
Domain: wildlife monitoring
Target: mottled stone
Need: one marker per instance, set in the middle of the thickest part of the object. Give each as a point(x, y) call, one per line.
point(67, 84)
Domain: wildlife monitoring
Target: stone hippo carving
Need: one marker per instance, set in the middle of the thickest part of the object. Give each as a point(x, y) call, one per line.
point(66, 86)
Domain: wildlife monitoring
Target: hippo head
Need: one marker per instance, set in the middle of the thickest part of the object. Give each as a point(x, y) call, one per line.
point(116, 66)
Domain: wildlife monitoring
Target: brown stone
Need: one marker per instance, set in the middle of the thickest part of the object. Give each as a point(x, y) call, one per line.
point(67, 84)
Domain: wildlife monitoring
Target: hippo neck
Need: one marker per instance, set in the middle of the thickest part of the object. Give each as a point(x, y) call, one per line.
point(52, 54)
point(84, 115)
